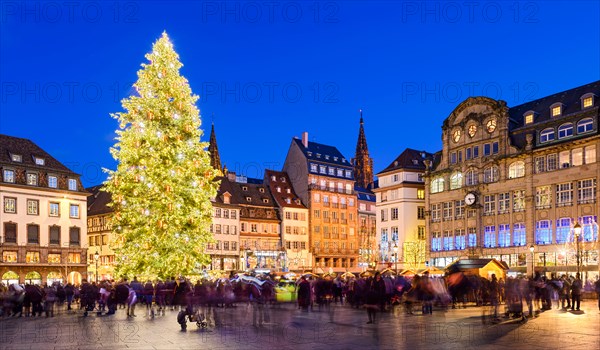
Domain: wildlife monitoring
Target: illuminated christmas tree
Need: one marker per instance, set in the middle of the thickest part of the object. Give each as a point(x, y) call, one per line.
point(162, 187)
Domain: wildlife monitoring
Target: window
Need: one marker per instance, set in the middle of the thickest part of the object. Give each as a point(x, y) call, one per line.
point(460, 239)
point(313, 168)
point(10, 232)
point(543, 197)
point(495, 147)
point(394, 233)
point(468, 153)
point(32, 179)
point(519, 235)
point(322, 169)
point(503, 202)
point(472, 237)
point(489, 237)
point(589, 228)
point(453, 158)
point(9, 175)
point(585, 125)
point(519, 200)
point(447, 210)
point(420, 213)
point(340, 173)
point(587, 100)
point(487, 149)
point(547, 135)
point(9, 257)
point(563, 228)
point(72, 185)
point(10, 205)
point(555, 110)
point(16, 158)
point(543, 232)
point(32, 207)
point(32, 257)
point(420, 194)
point(436, 241)
point(253, 227)
point(394, 213)
point(384, 216)
point(74, 236)
point(54, 233)
point(39, 161)
point(456, 180)
point(539, 164)
point(331, 171)
point(448, 240)
point(586, 191)
point(516, 169)
point(529, 118)
point(74, 258)
point(503, 235)
point(490, 174)
point(577, 156)
point(54, 258)
point(564, 194)
point(437, 185)
point(436, 212)
point(384, 234)
point(459, 209)
point(460, 156)
point(475, 152)
point(471, 178)
point(33, 234)
point(489, 204)
point(52, 181)
point(233, 214)
point(226, 213)
point(564, 159)
point(421, 232)
point(589, 154)
point(348, 174)
point(551, 162)
point(565, 130)
point(74, 211)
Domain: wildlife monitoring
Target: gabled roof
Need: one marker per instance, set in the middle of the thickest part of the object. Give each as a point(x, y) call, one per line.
point(97, 203)
point(410, 159)
point(320, 153)
point(257, 193)
point(286, 190)
point(27, 149)
point(364, 194)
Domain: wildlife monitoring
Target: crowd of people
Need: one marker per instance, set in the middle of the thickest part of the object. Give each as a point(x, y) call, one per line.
point(377, 293)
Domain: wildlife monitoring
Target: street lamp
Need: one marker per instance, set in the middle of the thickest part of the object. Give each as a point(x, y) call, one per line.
point(396, 256)
point(531, 249)
point(577, 233)
point(96, 257)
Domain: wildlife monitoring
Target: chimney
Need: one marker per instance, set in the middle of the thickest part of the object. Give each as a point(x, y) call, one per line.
point(305, 139)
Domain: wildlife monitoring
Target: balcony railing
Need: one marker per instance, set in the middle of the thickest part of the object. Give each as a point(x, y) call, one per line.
point(335, 205)
point(330, 189)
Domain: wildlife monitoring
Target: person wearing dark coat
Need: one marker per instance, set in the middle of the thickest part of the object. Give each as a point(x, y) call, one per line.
point(69, 293)
point(304, 296)
point(89, 294)
point(374, 297)
point(122, 293)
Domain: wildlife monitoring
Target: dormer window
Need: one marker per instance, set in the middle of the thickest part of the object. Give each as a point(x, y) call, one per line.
point(261, 190)
point(288, 201)
point(415, 162)
point(529, 117)
point(343, 160)
point(244, 188)
point(288, 190)
point(298, 202)
point(72, 185)
point(335, 159)
point(39, 161)
point(587, 100)
point(16, 158)
point(32, 179)
point(326, 157)
point(52, 181)
point(279, 189)
point(282, 179)
point(309, 154)
point(318, 155)
point(265, 200)
point(556, 109)
point(273, 178)
point(248, 199)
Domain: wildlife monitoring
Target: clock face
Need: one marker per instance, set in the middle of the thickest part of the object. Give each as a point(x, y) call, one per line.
point(472, 130)
point(456, 135)
point(491, 125)
point(470, 199)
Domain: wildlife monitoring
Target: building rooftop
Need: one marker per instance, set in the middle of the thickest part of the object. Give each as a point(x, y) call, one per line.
point(282, 189)
point(320, 153)
point(97, 203)
point(30, 155)
point(409, 159)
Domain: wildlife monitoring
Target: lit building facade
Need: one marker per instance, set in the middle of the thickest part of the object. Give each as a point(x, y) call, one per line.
point(401, 211)
point(225, 227)
point(99, 235)
point(43, 216)
point(513, 183)
point(294, 221)
point(323, 179)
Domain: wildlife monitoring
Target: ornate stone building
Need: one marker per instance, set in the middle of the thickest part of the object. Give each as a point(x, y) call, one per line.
point(43, 216)
point(516, 183)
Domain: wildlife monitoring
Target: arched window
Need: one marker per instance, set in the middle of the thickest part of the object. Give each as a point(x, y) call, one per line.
point(565, 130)
point(490, 174)
point(547, 135)
point(437, 185)
point(585, 125)
point(456, 180)
point(471, 178)
point(516, 169)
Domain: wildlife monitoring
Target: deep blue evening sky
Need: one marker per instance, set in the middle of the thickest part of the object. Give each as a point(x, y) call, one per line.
point(269, 70)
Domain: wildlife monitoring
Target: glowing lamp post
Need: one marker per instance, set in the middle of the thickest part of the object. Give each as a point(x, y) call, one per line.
point(395, 248)
point(96, 257)
point(531, 249)
point(577, 233)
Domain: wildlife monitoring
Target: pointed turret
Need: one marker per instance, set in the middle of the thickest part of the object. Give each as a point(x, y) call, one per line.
point(363, 164)
point(215, 158)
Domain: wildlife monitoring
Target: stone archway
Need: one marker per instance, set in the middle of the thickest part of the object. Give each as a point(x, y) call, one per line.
point(10, 277)
point(33, 277)
point(74, 278)
point(54, 276)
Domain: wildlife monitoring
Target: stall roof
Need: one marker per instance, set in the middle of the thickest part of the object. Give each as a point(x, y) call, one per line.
point(466, 264)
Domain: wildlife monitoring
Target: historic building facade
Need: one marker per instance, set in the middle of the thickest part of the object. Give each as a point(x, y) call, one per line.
point(99, 236)
point(294, 221)
point(323, 179)
point(43, 216)
point(401, 211)
point(225, 227)
point(516, 183)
